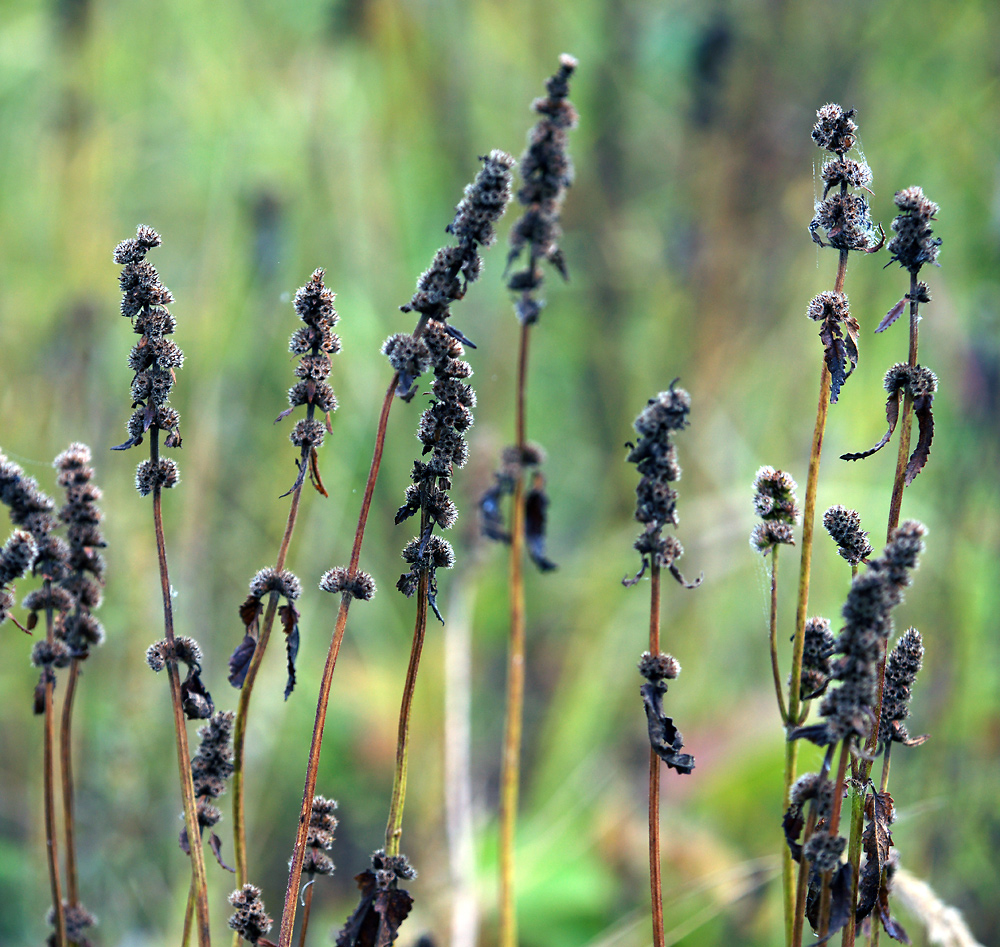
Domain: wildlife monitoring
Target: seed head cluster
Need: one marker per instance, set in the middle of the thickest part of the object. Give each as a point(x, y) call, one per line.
point(775, 503)
point(212, 765)
point(154, 359)
point(446, 280)
point(249, 919)
point(843, 215)
point(818, 647)
point(914, 244)
point(322, 825)
point(546, 172)
point(901, 670)
point(844, 527)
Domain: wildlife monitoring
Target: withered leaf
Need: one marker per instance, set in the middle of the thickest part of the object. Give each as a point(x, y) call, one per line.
point(876, 841)
point(665, 739)
point(892, 416)
point(840, 903)
point(889, 924)
point(239, 660)
point(535, 506)
point(290, 626)
point(215, 843)
point(314, 477)
point(925, 434)
point(818, 733)
point(490, 512)
point(793, 822)
point(892, 315)
point(375, 921)
point(250, 611)
point(840, 351)
point(195, 698)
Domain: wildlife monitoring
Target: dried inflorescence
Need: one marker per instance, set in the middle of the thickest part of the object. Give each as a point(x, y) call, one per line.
point(849, 709)
point(655, 456)
point(249, 920)
point(775, 503)
point(211, 766)
point(901, 670)
point(280, 583)
point(32, 510)
point(196, 701)
point(819, 645)
point(446, 280)
point(153, 359)
point(322, 825)
point(914, 244)
point(843, 215)
point(314, 343)
point(838, 332)
point(546, 172)
point(664, 738)
point(383, 905)
point(844, 527)
point(920, 384)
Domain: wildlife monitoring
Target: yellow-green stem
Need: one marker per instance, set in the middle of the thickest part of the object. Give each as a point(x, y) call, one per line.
point(773, 634)
point(655, 878)
point(48, 789)
point(394, 825)
point(66, 772)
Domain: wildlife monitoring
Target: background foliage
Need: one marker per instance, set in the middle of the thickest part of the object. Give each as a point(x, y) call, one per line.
point(265, 138)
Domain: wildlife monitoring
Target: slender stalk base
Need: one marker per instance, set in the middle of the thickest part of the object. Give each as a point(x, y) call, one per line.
point(48, 789)
point(66, 772)
point(655, 878)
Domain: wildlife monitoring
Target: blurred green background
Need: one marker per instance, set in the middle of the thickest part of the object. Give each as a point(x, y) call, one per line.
point(266, 138)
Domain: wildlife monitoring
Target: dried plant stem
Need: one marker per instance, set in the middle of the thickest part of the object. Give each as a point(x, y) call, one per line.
point(243, 708)
point(48, 781)
point(66, 772)
point(394, 825)
point(188, 916)
point(854, 857)
point(833, 828)
point(773, 634)
point(802, 885)
point(796, 714)
point(655, 881)
point(510, 770)
point(306, 908)
point(198, 877)
point(906, 420)
point(312, 767)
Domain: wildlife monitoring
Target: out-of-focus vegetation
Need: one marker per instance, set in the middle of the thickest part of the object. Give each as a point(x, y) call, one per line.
point(265, 139)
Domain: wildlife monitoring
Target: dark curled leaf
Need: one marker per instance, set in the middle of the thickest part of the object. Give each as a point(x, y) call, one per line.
point(535, 506)
point(892, 315)
point(290, 625)
point(195, 698)
point(375, 921)
point(490, 513)
point(840, 903)
point(925, 429)
point(889, 924)
point(314, 477)
point(892, 416)
point(793, 823)
point(876, 841)
point(239, 661)
point(457, 334)
point(664, 737)
point(131, 442)
point(432, 601)
point(676, 573)
point(284, 414)
point(818, 733)
point(250, 611)
point(628, 583)
point(835, 355)
point(182, 840)
point(215, 843)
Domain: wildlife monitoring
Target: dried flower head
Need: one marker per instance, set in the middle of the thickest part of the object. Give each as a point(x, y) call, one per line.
point(818, 646)
point(339, 580)
point(154, 359)
point(844, 527)
point(901, 669)
point(249, 920)
point(655, 456)
point(775, 503)
point(914, 244)
point(383, 905)
point(322, 825)
point(838, 332)
point(195, 698)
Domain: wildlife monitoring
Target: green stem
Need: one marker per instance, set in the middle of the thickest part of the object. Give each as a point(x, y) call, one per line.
point(394, 825)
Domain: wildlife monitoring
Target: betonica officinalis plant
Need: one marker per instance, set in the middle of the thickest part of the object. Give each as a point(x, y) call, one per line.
point(560, 788)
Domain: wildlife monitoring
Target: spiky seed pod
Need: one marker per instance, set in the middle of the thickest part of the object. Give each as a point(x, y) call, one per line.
point(914, 244)
point(844, 527)
point(322, 824)
point(250, 920)
point(212, 765)
point(818, 646)
point(17, 555)
point(271, 580)
point(339, 580)
point(901, 671)
point(835, 129)
point(658, 667)
point(154, 359)
point(775, 503)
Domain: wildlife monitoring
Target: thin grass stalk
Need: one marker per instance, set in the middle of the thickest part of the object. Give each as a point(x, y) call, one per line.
point(510, 772)
point(243, 707)
point(394, 824)
point(832, 829)
point(312, 766)
point(306, 908)
point(198, 878)
point(48, 789)
point(773, 634)
point(66, 774)
point(655, 879)
point(188, 917)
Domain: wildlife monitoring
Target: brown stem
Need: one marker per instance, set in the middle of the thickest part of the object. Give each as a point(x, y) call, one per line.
point(306, 908)
point(198, 878)
point(394, 824)
point(833, 829)
point(48, 788)
point(66, 769)
point(243, 707)
point(188, 916)
point(655, 878)
point(802, 887)
point(312, 766)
